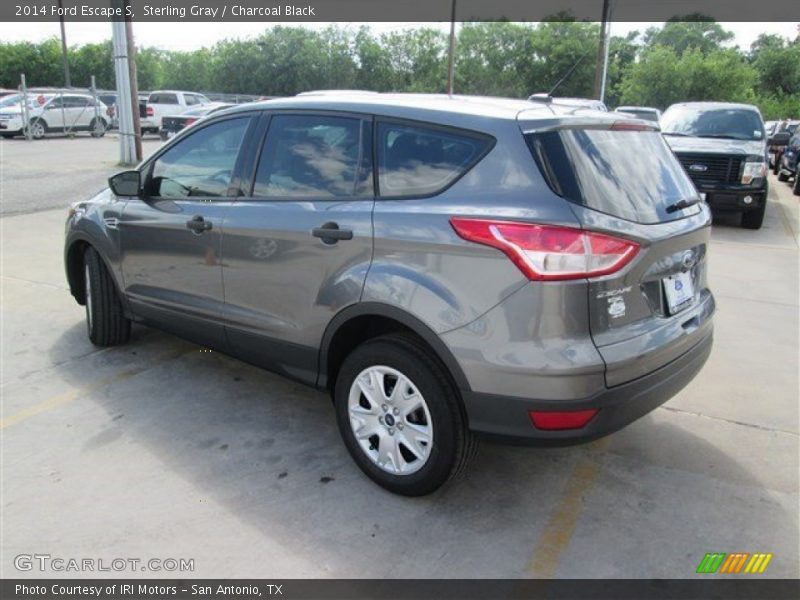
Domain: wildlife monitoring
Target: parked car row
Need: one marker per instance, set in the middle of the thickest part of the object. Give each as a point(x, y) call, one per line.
point(789, 166)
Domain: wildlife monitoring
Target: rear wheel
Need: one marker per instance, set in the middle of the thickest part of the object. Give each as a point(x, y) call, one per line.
point(97, 128)
point(782, 176)
point(753, 219)
point(106, 323)
point(796, 186)
point(400, 416)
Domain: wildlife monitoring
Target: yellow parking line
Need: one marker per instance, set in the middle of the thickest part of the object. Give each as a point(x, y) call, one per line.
point(66, 397)
point(563, 521)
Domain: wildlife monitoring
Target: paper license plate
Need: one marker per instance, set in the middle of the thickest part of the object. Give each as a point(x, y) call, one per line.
point(680, 291)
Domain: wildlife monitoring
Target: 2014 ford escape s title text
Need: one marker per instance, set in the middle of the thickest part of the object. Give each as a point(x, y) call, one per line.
point(448, 268)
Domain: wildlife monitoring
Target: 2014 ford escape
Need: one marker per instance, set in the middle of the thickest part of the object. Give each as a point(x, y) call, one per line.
point(448, 268)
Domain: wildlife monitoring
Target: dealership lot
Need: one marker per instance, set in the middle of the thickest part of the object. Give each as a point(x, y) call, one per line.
point(159, 449)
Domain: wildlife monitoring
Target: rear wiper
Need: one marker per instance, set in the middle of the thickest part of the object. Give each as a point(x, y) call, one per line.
point(681, 204)
point(677, 133)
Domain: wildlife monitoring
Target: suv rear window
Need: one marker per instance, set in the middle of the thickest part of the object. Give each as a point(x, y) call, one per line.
point(628, 174)
point(422, 161)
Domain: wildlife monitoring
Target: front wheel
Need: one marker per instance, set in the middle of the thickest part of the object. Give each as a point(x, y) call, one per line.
point(97, 128)
point(106, 323)
point(400, 416)
point(796, 186)
point(38, 129)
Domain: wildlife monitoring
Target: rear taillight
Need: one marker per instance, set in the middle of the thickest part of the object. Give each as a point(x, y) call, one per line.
point(149, 111)
point(190, 120)
point(549, 253)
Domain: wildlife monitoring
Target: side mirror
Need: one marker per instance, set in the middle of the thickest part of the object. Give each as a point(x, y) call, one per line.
point(779, 139)
point(127, 183)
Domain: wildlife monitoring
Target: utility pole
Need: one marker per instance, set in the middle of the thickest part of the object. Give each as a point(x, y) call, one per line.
point(67, 82)
point(134, 84)
point(127, 136)
point(599, 73)
point(451, 63)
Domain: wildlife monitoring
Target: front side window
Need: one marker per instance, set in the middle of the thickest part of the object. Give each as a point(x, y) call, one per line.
point(420, 161)
point(315, 157)
point(200, 165)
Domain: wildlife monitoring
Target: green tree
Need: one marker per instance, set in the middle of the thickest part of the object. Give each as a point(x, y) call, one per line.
point(693, 31)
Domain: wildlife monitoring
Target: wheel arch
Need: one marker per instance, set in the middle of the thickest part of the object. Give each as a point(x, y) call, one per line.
point(360, 322)
point(73, 262)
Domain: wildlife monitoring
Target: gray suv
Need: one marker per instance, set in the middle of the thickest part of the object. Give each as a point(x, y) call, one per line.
point(448, 268)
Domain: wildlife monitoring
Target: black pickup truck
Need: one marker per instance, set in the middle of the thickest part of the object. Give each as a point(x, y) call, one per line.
point(723, 148)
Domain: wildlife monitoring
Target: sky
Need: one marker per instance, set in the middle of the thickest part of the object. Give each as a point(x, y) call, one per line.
point(190, 36)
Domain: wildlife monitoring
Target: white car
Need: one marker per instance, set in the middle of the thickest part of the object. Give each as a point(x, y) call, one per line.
point(168, 102)
point(52, 112)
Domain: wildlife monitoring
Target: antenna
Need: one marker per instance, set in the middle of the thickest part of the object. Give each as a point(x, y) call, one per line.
point(568, 73)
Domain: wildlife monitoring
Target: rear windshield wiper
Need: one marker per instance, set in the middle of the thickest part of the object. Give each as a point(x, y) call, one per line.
point(677, 133)
point(681, 204)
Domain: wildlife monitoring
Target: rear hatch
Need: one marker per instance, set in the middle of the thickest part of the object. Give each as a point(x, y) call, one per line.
point(625, 182)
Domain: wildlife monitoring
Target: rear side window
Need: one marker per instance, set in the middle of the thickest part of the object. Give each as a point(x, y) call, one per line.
point(315, 157)
point(628, 174)
point(163, 99)
point(421, 161)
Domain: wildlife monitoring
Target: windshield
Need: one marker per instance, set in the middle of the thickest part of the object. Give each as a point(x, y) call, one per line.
point(16, 100)
point(628, 174)
point(729, 123)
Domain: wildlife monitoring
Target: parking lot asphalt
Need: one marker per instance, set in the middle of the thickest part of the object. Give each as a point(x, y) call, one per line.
point(68, 169)
point(157, 449)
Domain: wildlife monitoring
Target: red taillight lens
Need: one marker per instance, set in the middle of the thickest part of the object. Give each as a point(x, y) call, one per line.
point(190, 120)
point(150, 112)
point(545, 252)
point(558, 420)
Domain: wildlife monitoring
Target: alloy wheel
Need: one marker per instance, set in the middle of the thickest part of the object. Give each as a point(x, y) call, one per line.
point(390, 420)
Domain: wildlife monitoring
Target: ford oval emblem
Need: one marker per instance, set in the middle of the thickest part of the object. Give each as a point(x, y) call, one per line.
point(698, 168)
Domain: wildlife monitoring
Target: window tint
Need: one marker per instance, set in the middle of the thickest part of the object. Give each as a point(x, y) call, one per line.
point(201, 164)
point(418, 161)
point(629, 174)
point(312, 156)
point(191, 99)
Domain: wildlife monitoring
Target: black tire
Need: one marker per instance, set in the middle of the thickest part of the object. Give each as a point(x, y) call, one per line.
point(796, 186)
point(453, 444)
point(776, 166)
point(783, 176)
point(97, 128)
point(38, 128)
point(7, 136)
point(753, 219)
point(106, 323)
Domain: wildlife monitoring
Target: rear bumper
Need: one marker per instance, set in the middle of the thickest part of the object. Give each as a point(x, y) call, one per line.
point(506, 419)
